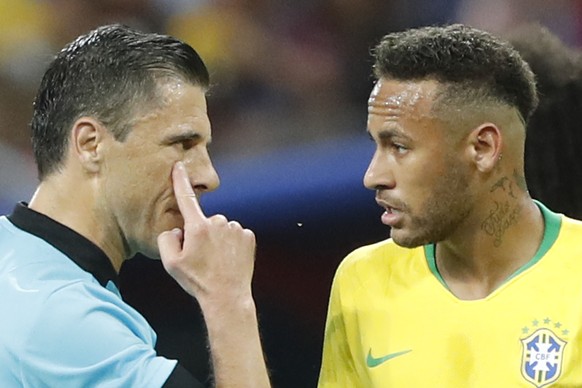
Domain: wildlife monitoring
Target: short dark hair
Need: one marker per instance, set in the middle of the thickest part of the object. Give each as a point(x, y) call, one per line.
point(111, 73)
point(553, 166)
point(474, 65)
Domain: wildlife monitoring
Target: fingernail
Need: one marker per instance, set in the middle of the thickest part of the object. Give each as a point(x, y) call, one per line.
point(180, 164)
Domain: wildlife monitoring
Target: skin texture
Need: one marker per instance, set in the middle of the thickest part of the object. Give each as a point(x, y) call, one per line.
point(221, 285)
point(455, 180)
point(141, 195)
point(137, 184)
point(127, 185)
point(417, 176)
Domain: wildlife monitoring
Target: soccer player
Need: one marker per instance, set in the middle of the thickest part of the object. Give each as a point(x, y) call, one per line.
point(478, 284)
point(120, 134)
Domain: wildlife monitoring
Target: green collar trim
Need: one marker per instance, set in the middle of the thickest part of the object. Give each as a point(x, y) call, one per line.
point(431, 261)
point(552, 224)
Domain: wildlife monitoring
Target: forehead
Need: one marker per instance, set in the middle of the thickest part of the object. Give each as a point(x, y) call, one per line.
point(181, 106)
point(391, 94)
point(400, 103)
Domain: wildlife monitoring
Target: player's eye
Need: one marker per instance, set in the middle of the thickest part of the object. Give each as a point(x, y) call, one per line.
point(399, 148)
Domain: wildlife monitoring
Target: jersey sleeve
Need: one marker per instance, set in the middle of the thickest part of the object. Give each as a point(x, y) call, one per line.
point(337, 367)
point(84, 335)
point(181, 378)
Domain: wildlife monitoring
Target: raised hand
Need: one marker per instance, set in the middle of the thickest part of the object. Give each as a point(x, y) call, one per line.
point(211, 258)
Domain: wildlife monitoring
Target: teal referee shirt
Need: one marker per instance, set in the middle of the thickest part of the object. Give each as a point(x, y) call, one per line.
point(62, 320)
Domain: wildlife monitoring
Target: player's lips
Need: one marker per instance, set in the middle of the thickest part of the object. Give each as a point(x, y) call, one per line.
point(391, 215)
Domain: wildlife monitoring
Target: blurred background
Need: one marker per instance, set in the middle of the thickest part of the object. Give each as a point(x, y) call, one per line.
point(288, 107)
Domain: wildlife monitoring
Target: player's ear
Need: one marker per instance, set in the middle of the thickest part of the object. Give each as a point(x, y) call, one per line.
point(87, 135)
point(485, 146)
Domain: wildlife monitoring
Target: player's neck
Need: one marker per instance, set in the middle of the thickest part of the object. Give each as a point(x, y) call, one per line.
point(478, 262)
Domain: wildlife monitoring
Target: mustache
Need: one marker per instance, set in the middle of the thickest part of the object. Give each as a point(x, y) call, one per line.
point(392, 203)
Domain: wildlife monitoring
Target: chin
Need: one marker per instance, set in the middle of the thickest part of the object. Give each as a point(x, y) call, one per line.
point(150, 254)
point(150, 249)
point(409, 241)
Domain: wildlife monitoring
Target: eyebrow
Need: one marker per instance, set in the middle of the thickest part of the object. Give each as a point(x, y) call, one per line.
point(389, 133)
point(184, 136)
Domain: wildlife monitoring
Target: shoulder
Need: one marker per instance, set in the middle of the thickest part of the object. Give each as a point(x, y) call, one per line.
point(78, 326)
point(65, 326)
point(34, 262)
point(21, 248)
point(560, 227)
point(373, 257)
point(570, 234)
point(45, 294)
point(571, 223)
point(376, 263)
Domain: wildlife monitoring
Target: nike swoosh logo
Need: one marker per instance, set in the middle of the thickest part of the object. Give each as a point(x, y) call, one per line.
point(373, 362)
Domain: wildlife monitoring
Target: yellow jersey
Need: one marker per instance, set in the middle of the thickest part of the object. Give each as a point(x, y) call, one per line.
point(392, 322)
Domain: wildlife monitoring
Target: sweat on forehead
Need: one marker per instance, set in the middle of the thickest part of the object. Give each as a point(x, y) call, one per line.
point(474, 60)
point(401, 93)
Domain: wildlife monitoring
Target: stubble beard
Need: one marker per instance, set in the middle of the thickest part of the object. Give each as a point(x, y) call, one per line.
point(446, 208)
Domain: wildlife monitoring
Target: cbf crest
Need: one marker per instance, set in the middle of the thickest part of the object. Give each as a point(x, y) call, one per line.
point(543, 353)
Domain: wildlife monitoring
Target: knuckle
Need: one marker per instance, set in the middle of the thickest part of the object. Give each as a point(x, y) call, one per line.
point(249, 233)
point(234, 225)
point(218, 219)
point(250, 237)
point(201, 229)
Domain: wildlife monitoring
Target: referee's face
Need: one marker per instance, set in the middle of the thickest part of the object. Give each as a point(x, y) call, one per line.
point(138, 189)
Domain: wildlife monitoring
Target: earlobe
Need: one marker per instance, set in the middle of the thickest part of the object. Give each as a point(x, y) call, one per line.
point(87, 135)
point(486, 146)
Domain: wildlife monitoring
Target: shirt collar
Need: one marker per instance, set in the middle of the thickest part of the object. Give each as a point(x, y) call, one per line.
point(80, 250)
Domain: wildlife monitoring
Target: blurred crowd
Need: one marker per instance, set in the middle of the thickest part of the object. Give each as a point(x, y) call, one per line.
point(289, 75)
point(285, 72)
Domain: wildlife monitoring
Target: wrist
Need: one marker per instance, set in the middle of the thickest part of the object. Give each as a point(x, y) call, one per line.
point(224, 307)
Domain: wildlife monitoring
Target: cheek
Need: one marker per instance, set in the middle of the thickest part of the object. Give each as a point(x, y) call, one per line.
point(140, 184)
point(156, 184)
point(140, 172)
point(423, 181)
point(150, 171)
point(420, 175)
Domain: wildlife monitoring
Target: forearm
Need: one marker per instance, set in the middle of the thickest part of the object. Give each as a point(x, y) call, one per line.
point(213, 260)
point(235, 344)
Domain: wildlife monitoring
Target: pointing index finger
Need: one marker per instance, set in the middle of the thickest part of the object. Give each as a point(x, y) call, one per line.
point(185, 195)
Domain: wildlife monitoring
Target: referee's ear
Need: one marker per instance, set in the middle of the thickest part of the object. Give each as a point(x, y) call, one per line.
point(86, 136)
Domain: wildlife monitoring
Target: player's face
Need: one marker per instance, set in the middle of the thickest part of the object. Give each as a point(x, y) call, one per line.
point(419, 175)
point(138, 187)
